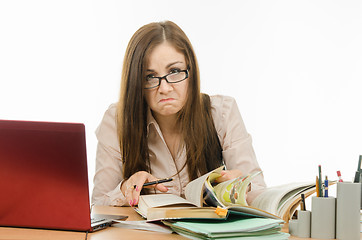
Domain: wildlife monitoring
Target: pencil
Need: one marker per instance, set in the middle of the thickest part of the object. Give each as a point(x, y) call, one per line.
point(320, 181)
point(317, 186)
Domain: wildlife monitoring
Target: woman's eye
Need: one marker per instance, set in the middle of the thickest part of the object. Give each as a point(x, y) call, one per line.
point(148, 77)
point(175, 70)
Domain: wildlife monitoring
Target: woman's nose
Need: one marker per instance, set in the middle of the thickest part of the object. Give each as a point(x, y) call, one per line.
point(165, 86)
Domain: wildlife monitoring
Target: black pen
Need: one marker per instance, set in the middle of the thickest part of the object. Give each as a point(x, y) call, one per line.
point(303, 208)
point(156, 182)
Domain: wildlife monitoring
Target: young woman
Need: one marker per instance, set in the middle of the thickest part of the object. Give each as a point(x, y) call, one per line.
point(164, 127)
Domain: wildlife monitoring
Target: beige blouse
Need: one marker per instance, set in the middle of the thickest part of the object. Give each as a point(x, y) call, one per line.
point(236, 143)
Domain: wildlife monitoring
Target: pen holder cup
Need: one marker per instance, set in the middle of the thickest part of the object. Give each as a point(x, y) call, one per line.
point(323, 217)
point(293, 227)
point(304, 224)
point(348, 211)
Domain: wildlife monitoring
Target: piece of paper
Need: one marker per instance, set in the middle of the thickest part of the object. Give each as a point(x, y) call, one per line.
point(142, 225)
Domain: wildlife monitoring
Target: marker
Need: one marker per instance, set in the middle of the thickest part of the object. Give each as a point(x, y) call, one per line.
point(326, 187)
point(339, 176)
point(358, 172)
point(303, 202)
point(156, 182)
point(320, 181)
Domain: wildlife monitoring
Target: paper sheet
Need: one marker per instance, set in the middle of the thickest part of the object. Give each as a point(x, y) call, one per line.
point(143, 225)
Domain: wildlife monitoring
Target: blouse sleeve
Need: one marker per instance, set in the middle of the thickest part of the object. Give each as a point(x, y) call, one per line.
point(236, 142)
point(109, 174)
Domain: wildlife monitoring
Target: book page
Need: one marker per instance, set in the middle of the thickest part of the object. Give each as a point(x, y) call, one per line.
point(270, 199)
point(251, 211)
point(160, 200)
point(287, 209)
point(234, 191)
point(194, 189)
point(210, 198)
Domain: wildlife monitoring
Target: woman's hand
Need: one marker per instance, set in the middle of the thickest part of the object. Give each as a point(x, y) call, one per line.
point(131, 188)
point(228, 174)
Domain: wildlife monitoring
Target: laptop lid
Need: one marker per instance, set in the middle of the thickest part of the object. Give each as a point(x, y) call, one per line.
point(43, 175)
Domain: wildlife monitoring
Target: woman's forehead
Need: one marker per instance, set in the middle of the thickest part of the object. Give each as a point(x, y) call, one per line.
point(165, 55)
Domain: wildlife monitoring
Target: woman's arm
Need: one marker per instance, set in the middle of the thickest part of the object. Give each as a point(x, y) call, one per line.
point(110, 187)
point(109, 174)
point(238, 152)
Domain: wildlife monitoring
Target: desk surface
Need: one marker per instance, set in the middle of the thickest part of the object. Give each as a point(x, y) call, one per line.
point(106, 234)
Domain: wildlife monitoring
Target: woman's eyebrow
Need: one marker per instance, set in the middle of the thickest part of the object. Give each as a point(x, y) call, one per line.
point(167, 66)
point(173, 63)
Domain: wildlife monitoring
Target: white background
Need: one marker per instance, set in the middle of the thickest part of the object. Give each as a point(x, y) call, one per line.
point(294, 67)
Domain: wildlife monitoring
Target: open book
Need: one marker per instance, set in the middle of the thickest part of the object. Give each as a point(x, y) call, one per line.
point(201, 192)
point(283, 200)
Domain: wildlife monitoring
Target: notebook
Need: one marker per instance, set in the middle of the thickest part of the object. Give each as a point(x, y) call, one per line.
point(44, 176)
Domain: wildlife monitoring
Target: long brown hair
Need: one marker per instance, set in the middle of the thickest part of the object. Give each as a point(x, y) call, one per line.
point(203, 149)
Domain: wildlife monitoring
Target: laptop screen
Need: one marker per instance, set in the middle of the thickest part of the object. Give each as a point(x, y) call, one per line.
point(43, 175)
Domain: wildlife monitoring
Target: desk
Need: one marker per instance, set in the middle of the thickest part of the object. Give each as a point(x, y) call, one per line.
point(106, 234)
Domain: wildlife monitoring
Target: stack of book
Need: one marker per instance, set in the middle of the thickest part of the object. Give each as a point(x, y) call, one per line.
point(217, 211)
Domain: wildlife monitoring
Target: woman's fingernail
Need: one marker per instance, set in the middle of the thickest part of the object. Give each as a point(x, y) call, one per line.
point(130, 203)
point(134, 202)
point(136, 188)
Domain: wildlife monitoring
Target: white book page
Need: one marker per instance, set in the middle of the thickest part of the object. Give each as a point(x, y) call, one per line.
point(160, 200)
point(270, 199)
point(194, 190)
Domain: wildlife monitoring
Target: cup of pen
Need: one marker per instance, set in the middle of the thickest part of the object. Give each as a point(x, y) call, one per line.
point(303, 229)
point(323, 217)
point(348, 211)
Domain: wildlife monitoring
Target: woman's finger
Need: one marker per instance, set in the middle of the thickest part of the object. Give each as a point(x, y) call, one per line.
point(228, 174)
point(135, 184)
point(129, 194)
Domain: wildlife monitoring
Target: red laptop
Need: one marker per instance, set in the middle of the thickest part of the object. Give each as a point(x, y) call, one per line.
point(43, 176)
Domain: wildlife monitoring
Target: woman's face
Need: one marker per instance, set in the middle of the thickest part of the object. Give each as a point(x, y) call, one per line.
point(168, 98)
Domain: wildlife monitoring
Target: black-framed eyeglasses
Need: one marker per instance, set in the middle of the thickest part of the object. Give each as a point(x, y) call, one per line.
point(173, 77)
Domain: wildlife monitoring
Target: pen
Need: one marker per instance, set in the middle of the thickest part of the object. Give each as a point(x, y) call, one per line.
point(339, 176)
point(156, 182)
point(326, 187)
point(303, 202)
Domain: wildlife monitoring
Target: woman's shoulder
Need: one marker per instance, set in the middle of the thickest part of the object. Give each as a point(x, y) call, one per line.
point(108, 124)
point(222, 103)
point(221, 108)
point(221, 98)
point(112, 109)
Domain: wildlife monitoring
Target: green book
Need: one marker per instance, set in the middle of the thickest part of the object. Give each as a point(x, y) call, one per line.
point(246, 228)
